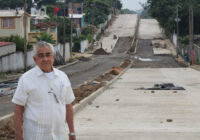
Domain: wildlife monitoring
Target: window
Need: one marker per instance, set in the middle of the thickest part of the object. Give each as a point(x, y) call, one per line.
point(8, 23)
point(53, 30)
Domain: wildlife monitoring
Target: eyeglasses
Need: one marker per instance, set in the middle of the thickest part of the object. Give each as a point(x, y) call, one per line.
point(42, 55)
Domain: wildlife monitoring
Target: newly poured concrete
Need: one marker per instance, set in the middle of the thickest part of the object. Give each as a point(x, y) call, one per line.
point(124, 113)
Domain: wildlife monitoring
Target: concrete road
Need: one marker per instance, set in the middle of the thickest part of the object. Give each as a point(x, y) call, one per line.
point(124, 113)
point(124, 26)
point(149, 29)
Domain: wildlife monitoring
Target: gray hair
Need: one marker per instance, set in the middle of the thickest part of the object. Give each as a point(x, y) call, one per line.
point(42, 44)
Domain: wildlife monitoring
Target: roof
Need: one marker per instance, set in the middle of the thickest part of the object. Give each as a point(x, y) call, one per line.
point(5, 43)
point(76, 15)
point(12, 13)
point(49, 24)
point(40, 16)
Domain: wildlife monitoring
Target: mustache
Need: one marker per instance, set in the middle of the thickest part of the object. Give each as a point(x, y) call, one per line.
point(45, 62)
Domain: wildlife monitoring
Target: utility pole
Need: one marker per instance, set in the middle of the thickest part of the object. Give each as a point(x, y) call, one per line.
point(71, 30)
point(25, 38)
point(64, 36)
point(92, 5)
point(191, 47)
point(177, 30)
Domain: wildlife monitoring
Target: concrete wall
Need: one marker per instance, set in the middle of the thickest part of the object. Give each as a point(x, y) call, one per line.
point(84, 45)
point(15, 62)
point(19, 29)
point(59, 48)
point(196, 53)
point(7, 49)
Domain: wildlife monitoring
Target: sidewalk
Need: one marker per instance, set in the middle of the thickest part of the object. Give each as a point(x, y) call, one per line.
point(124, 113)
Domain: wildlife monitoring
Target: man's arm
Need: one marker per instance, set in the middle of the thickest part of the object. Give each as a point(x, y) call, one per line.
point(18, 118)
point(70, 120)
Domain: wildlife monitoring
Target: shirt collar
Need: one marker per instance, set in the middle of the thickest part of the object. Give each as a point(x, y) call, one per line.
point(39, 72)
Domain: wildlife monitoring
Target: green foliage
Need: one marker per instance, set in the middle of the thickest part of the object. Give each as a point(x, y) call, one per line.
point(90, 38)
point(45, 37)
point(50, 9)
point(184, 40)
point(18, 40)
point(127, 11)
point(2, 74)
point(165, 12)
point(86, 30)
point(11, 3)
point(97, 10)
point(77, 45)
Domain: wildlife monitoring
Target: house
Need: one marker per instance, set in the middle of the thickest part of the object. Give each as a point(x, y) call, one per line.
point(77, 8)
point(7, 48)
point(38, 15)
point(11, 23)
point(49, 27)
point(76, 13)
point(78, 20)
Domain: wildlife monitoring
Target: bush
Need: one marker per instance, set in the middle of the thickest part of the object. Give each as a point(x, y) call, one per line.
point(77, 45)
point(86, 30)
point(184, 40)
point(18, 40)
point(45, 37)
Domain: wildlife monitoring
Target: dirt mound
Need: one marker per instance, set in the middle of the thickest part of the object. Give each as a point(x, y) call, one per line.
point(100, 51)
point(7, 131)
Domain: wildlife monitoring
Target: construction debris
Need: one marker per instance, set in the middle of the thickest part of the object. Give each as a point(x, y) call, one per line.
point(100, 51)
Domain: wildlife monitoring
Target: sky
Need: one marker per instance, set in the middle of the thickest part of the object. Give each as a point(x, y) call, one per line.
point(132, 4)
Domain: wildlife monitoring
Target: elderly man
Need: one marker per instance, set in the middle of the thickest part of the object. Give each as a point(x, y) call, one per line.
point(43, 100)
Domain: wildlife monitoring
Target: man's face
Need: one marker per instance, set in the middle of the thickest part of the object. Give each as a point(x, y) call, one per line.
point(44, 58)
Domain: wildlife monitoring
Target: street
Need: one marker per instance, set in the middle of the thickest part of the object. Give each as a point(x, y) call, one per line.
point(127, 110)
point(123, 112)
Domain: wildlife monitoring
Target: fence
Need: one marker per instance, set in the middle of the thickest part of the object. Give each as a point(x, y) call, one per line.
point(182, 49)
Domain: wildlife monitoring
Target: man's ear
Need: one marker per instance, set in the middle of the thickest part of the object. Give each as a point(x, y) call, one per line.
point(34, 58)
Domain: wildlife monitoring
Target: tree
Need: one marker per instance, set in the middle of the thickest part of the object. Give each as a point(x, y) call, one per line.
point(165, 12)
point(45, 37)
point(11, 4)
point(97, 10)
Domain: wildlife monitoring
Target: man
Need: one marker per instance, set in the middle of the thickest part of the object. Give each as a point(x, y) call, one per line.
point(43, 100)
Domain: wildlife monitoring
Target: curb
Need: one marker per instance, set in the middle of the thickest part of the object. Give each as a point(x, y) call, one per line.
point(79, 106)
point(67, 65)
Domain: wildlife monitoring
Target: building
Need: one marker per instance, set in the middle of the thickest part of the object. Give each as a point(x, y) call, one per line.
point(7, 48)
point(77, 14)
point(38, 15)
point(11, 23)
point(50, 28)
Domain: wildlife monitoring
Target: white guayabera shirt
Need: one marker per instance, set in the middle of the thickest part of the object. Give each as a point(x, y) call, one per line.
point(45, 102)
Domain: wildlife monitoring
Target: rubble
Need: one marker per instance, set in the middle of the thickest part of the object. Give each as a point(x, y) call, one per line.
point(100, 51)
